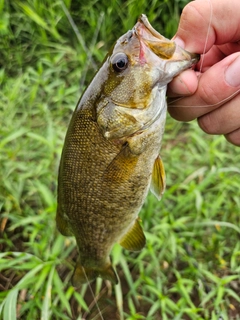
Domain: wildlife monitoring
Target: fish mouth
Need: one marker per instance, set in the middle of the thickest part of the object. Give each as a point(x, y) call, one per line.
point(162, 47)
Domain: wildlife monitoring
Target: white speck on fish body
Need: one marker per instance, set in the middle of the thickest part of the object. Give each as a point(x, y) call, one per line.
point(107, 134)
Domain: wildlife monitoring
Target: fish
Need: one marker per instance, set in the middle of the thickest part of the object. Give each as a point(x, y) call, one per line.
point(110, 158)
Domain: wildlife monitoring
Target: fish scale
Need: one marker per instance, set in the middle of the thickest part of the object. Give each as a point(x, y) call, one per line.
point(110, 157)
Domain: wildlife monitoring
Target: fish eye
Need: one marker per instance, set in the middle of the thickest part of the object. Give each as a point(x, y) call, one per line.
point(120, 62)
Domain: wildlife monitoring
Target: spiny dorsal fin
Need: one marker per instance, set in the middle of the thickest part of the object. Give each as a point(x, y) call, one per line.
point(134, 239)
point(158, 183)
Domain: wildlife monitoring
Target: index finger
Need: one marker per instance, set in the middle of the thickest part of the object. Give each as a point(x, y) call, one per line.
point(216, 21)
point(215, 87)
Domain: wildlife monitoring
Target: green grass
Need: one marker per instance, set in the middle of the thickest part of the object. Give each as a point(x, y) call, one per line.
point(190, 268)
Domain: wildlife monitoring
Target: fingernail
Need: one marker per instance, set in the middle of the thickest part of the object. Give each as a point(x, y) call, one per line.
point(179, 42)
point(232, 73)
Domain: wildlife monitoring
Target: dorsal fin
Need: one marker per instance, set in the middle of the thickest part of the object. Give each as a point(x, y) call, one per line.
point(158, 183)
point(134, 239)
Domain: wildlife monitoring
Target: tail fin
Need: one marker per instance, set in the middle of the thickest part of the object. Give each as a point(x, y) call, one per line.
point(83, 275)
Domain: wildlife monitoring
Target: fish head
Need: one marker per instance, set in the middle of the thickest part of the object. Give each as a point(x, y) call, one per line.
point(164, 57)
point(137, 71)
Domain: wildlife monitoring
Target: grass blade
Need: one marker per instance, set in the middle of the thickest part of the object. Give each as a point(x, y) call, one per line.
point(10, 306)
point(46, 312)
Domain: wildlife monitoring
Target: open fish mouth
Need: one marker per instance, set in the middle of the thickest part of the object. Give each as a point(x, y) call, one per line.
point(162, 47)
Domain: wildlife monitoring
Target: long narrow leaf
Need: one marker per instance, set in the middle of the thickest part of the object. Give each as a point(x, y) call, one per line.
point(10, 307)
point(46, 307)
point(60, 289)
point(37, 19)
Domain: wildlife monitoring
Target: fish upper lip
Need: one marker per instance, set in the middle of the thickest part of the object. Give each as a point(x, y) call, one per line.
point(142, 24)
point(195, 57)
point(161, 46)
point(144, 20)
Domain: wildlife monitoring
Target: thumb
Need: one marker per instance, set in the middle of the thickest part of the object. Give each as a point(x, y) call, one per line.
point(212, 20)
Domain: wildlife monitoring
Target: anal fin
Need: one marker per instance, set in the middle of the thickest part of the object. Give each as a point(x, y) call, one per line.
point(158, 183)
point(134, 239)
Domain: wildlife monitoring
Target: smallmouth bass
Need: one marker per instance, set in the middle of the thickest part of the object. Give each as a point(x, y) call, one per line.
point(110, 157)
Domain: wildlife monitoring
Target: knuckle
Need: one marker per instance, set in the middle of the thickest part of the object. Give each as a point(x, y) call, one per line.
point(208, 95)
point(233, 137)
point(207, 125)
point(196, 11)
point(193, 12)
point(190, 11)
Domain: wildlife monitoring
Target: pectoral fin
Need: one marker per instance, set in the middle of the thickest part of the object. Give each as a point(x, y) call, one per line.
point(134, 239)
point(158, 183)
point(62, 223)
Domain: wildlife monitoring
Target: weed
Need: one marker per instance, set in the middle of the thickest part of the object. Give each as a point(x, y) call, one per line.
point(190, 266)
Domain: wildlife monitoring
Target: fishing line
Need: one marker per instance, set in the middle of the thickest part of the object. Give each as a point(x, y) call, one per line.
point(206, 105)
point(202, 56)
point(92, 293)
point(200, 70)
point(207, 37)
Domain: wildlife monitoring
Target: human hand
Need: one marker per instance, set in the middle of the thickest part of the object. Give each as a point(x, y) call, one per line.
point(211, 93)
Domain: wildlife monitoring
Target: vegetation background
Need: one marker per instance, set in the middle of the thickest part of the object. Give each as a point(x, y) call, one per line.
point(190, 269)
